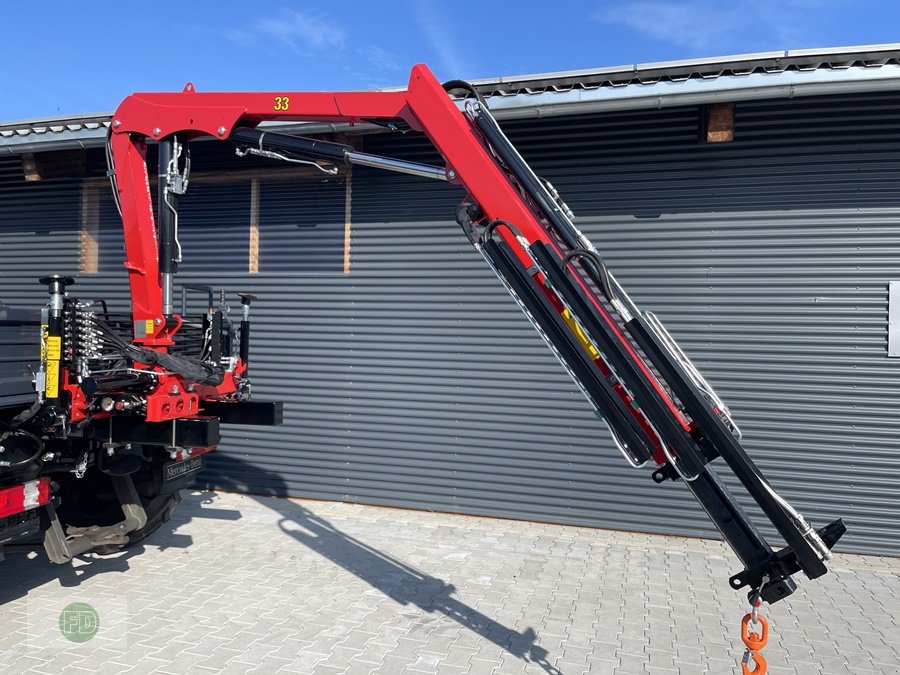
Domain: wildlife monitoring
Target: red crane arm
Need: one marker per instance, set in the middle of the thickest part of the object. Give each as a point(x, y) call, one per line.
point(424, 106)
point(547, 265)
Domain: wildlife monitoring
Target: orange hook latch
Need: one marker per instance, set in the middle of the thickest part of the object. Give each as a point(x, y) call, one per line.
point(759, 663)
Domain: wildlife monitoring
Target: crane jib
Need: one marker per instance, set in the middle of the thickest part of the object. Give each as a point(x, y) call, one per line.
point(660, 410)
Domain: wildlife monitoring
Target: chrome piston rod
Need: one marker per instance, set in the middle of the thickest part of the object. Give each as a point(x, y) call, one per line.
point(398, 165)
point(311, 150)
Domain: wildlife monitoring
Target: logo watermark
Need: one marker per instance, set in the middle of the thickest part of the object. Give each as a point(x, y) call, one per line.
point(75, 621)
point(79, 622)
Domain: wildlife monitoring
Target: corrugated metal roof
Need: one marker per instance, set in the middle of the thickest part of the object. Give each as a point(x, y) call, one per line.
point(866, 56)
point(54, 125)
point(54, 133)
point(569, 92)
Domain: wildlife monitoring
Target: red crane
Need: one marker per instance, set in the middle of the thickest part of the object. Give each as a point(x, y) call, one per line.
point(675, 423)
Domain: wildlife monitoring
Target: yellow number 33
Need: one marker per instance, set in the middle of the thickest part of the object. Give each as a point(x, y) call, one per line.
point(282, 102)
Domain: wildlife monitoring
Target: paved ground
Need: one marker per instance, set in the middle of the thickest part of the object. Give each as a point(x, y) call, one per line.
point(236, 583)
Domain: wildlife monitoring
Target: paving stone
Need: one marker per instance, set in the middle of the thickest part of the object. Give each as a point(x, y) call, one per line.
point(327, 588)
point(481, 666)
point(361, 668)
point(325, 670)
point(630, 663)
point(602, 666)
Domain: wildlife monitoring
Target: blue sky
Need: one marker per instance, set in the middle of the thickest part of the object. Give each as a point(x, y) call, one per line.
point(85, 57)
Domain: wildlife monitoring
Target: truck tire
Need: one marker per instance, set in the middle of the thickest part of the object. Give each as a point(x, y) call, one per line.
point(91, 500)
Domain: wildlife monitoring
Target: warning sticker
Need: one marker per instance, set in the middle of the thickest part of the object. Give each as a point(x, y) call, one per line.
point(44, 329)
point(52, 390)
point(149, 328)
point(54, 348)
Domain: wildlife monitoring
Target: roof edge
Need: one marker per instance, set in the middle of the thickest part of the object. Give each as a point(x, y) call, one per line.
point(804, 72)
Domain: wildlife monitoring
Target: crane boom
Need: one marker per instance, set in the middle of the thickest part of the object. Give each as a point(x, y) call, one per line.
point(661, 412)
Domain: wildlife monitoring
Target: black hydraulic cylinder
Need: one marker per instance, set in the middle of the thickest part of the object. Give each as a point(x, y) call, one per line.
point(246, 300)
point(215, 323)
point(124, 382)
point(308, 147)
point(226, 329)
point(532, 185)
point(167, 208)
point(598, 388)
point(245, 343)
point(651, 403)
point(526, 177)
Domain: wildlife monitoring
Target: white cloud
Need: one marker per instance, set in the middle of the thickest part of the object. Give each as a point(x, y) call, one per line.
point(705, 25)
point(302, 30)
point(439, 32)
point(313, 36)
point(299, 31)
point(379, 58)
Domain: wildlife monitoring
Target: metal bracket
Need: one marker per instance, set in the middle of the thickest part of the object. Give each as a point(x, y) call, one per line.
point(774, 573)
point(62, 546)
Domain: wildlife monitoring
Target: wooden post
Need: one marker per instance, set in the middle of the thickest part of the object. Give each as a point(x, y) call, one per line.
point(348, 193)
point(254, 227)
point(90, 229)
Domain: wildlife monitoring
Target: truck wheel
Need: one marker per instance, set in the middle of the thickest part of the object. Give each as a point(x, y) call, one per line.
point(91, 500)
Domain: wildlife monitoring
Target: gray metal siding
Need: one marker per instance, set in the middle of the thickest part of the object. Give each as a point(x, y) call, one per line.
point(414, 380)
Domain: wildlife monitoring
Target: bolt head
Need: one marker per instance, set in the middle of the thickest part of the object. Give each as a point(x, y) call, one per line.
point(157, 131)
point(117, 123)
point(451, 174)
point(221, 131)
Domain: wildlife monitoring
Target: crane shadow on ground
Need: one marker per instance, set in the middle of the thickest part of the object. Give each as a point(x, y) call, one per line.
point(27, 567)
point(22, 572)
point(395, 579)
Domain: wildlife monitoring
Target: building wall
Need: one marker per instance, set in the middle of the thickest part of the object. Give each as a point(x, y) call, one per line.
point(413, 380)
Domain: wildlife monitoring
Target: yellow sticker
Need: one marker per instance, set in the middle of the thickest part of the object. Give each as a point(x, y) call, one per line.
point(52, 388)
point(575, 327)
point(149, 327)
point(54, 348)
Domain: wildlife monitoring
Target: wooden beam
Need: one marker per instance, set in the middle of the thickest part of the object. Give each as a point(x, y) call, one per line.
point(90, 229)
point(348, 194)
point(356, 142)
point(29, 168)
point(720, 123)
point(253, 267)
